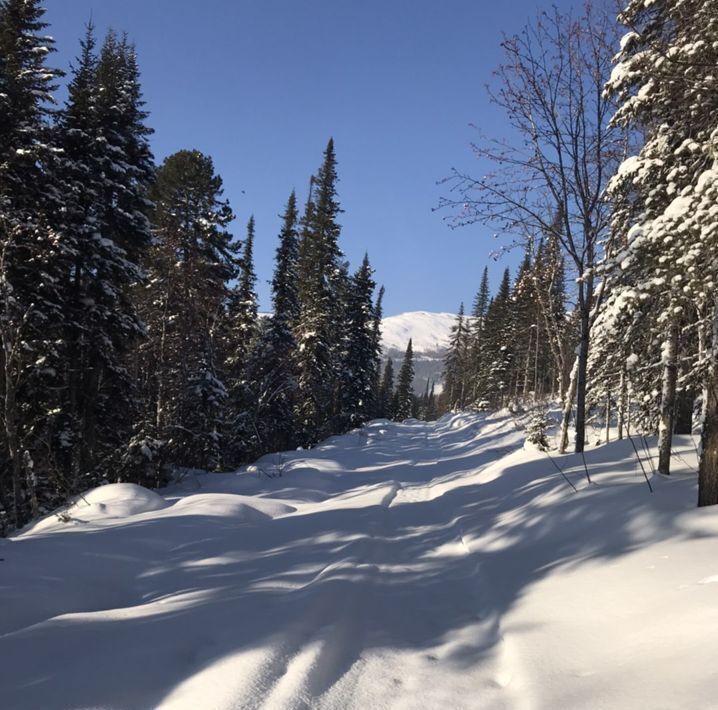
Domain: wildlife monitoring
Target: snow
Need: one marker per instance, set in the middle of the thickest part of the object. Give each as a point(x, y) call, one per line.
point(399, 566)
point(429, 332)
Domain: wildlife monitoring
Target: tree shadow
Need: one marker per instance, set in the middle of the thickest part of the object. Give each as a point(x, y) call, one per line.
point(410, 572)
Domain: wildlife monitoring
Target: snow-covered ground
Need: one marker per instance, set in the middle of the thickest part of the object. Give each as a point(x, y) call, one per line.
point(406, 566)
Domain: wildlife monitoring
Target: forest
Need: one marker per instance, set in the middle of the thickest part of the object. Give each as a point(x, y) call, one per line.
point(610, 191)
point(131, 341)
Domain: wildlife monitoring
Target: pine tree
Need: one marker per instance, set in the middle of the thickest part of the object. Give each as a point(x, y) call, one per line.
point(104, 167)
point(320, 332)
point(666, 193)
point(273, 363)
point(476, 331)
point(495, 376)
point(456, 364)
point(386, 392)
point(404, 387)
point(524, 331)
point(112, 195)
point(377, 346)
point(179, 372)
point(242, 331)
point(33, 255)
point(362, 359)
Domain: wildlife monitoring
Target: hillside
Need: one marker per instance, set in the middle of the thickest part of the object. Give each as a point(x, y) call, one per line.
point(430, 335)
point(433, 565)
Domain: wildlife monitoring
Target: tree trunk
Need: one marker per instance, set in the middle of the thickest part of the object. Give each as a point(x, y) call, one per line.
point(12, 440)
point(567, 406)
point(622, 403)
point(668, 398)
point(684, 412)
point(581, 381)
point(708, 467)
point(608, 416)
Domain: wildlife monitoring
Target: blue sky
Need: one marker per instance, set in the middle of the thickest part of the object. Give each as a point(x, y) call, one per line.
point(261, 86)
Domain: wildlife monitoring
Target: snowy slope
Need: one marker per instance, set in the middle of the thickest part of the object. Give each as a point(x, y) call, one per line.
point(430, 335)
point(429, 331)
point(404, 566)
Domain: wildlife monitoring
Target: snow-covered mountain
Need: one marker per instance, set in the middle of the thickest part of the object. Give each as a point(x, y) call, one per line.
point(429, 333)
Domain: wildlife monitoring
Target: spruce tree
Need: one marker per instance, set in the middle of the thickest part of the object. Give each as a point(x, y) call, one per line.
point(273, 362)
point(496, 371)
point(666, 195)
point(476, 330)
point(242, 331)
point(104, 166)
point(456, 364)
point(33, 255)
point(386, 392)
point(362, 360)
point(179, 372)
point(404, 386)
point(320, 329)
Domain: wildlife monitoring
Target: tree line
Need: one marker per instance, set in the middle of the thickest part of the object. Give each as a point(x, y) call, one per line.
point(613, 174)
point(130, 334)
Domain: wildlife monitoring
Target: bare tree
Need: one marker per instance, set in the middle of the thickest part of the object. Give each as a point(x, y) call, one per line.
point(561, 155)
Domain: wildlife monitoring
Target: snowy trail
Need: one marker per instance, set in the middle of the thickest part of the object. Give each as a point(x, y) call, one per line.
point(403, 566)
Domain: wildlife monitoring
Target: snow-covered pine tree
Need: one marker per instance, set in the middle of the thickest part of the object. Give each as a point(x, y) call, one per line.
point(319, 332)
point(457, 364)
point(525, 335)
point(362, 359)
point(241, 339)
point(549, 288)
point(377, 345)
point(273, 362)
point(386, 392)
point(104, 165)
point(33, 255)
point(179, 368)
point(108, 164)
point(498, 341)
point(664, 77)
point(476, 329)
point(405, 386)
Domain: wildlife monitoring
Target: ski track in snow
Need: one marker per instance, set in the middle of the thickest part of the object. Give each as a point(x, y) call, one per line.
point(404, 566)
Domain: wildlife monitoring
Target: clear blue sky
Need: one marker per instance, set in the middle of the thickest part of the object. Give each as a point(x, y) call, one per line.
point(261, 85)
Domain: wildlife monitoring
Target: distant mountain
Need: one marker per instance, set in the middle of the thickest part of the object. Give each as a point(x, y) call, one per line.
point(429, 333)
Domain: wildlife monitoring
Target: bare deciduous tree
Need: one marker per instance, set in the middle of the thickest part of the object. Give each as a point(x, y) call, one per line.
point(560, 156)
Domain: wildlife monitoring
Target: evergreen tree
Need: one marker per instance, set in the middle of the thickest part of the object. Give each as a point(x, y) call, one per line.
point(665, 196)
point(242, 331)
point(476, 330)
point(495, 376)
point(456, 364)
point(179, 371)
point(404, 387)
point(319, 333)
point(33, 255)
point(105, 167)
point(362, 349)
point(386, 392)
point(273, 364)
